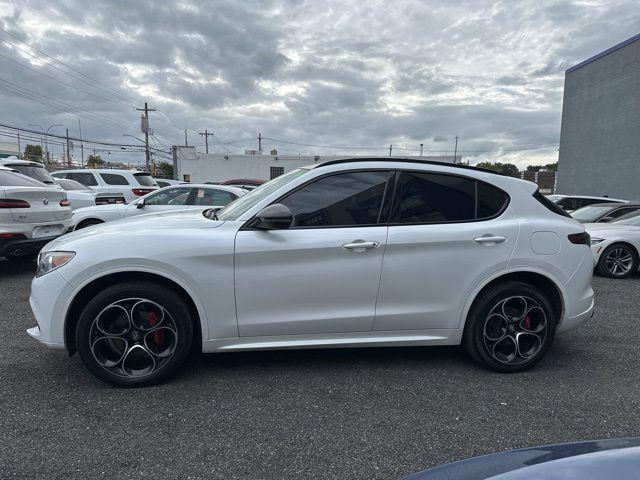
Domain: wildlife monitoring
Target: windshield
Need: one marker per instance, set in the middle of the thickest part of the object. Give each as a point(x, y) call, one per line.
point(632, 218)
point(590, 213)
point(235, 209)
point(12, 179)
point(33, 171)
point(71, 184)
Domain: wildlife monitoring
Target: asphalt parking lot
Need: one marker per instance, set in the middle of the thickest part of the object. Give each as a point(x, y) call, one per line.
point(357, 413)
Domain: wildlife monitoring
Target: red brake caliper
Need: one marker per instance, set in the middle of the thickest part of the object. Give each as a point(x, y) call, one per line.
point(527, 322)
point(158, 336)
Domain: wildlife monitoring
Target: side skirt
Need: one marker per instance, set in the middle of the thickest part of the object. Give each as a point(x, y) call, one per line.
point(335, 340)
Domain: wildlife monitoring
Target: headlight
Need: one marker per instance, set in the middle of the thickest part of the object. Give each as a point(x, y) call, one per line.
point(49, 261)
point(595, 241)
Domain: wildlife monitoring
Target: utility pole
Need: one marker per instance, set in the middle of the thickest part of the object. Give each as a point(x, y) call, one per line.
point(390, 149)
point(19, 145)
point(186, 142)
point(206, 134)
point(455, 151)
point(421, 146)
point(259, 142)
point(81, 145)
point(68, 151)
point(144, 126)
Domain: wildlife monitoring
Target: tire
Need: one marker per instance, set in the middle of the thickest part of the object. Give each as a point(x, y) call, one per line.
point(619, 260)
point(135, 334)
point(511, 319)
point(88, 223)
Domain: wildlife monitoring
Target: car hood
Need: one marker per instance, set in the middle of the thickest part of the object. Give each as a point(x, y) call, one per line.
point(179, 220)
point(591, 460)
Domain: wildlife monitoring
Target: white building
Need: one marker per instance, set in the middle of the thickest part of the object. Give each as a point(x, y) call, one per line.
point(214, 167)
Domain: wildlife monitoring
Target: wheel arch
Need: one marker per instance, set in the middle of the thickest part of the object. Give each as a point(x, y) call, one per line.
point(88, 291)
point(548, 286)
point(88, 219)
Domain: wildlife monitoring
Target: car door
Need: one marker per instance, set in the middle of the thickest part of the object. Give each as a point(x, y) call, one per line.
point(446, 233)
point(322, 274)
point(177, 198)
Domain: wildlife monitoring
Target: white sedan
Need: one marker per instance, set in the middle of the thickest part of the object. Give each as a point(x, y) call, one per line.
point(182, 197)
point(349, 253)
point(616, 246)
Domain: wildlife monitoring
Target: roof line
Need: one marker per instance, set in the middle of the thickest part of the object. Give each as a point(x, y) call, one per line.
point(635, 38)
point(404, 160)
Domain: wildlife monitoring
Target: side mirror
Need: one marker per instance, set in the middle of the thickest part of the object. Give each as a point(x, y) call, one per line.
point(140, 204)
point(273, 217)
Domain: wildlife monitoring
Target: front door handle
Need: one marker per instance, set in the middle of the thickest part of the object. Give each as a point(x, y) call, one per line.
point(490, 239)
point(360, 245)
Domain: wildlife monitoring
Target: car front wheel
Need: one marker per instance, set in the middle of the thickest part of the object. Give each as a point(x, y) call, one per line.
point(510, 327)
point(135, 334)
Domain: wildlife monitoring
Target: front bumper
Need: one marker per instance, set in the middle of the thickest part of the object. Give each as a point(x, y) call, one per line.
point(48, 300)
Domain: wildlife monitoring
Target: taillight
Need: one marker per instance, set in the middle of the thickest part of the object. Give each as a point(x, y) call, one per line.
point(12, 235)
point(582, 238)
point(65, 203)
point(10, 203)
point(141, 191)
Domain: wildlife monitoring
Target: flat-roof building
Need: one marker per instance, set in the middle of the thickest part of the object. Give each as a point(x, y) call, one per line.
point(600, 135)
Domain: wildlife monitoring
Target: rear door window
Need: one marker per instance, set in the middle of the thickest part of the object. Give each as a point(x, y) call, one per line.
point(85, 178)
point(114, 179)
point(170, 196)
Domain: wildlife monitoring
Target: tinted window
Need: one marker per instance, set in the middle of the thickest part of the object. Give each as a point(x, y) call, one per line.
point(433, 198)
point(618, 213)
point(114, 179)
point(162, 184)
point(550, 205)
point(170, 196)
point(211, 197)
point(352, 198)
point(85, 178)
point(71, 184)
point(145, 179)
point(34, 171)
point(11, 179)
point(491, 200)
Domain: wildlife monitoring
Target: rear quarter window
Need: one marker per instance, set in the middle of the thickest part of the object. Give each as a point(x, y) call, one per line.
point(145, 180)
point(114, 179)
point(550, 205)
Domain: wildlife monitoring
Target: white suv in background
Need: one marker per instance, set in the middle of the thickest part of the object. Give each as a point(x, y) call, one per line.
point(131, 183)
point(31, 214)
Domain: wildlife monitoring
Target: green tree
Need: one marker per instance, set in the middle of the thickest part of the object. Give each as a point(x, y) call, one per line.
point(33, 153)
point(553, 167)
point(94, 161)
point(503, 168)
point(165, 169)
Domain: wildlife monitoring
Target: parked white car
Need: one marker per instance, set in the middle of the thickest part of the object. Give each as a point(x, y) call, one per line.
point(574, 202)
point(349, 253)
point(132, 184)
point(181, 197)
point(616, 246)
point(166, 182)
point(31, 215)
point(31, 169)
point(81, 196)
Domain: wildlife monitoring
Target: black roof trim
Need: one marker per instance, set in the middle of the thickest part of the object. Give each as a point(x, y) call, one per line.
point(406, 160)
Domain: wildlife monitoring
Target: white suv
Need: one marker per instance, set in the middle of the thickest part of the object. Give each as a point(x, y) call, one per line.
point(132, 184)
point(31, 215)
point(349, 253)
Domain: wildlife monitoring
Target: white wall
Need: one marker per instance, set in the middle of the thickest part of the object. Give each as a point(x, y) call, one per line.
point(219, 167)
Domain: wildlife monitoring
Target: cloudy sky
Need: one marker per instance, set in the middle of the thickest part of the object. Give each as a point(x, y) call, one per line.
point(331, 73)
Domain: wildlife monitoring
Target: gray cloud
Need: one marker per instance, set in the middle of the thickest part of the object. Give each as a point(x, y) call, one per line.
point(328, 73)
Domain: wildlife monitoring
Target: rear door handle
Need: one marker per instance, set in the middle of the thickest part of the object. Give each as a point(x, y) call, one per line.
point(360, 245)
point(490, 239)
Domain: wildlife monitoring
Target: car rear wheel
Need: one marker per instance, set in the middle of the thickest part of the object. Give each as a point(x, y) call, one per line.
point(510, 327)
point(618, 260)
point(135, 334)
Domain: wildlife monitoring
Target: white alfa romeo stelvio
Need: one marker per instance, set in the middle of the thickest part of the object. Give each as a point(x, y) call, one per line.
point(347, 253)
